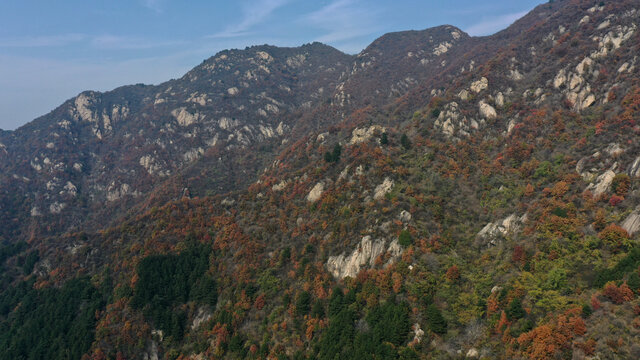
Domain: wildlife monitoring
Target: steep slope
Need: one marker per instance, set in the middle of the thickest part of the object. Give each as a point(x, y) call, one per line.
point(485, 212)
point(113, 148)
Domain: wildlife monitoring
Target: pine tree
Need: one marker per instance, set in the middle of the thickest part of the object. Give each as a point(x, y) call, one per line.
point(435, 321)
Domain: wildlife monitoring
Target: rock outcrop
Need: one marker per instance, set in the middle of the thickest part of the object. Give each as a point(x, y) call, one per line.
point(343, 265)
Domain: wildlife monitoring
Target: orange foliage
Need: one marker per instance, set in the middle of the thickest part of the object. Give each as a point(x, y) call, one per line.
point(546, 341)
point(397, 282)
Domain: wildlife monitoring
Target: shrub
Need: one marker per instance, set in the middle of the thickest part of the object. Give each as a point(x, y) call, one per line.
point(617, 294)
point(613, 236)
point(405, 239)
point(621, 184)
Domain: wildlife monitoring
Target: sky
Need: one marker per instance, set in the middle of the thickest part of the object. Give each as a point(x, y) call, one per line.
point(51, 51)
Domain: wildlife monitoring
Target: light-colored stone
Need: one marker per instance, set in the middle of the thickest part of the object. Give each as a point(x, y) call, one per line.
point(418, 333)
point(585, 64)
point(511, 125)
point(614, 149)
point(364, 255)
point(342, 266)
point(499, 99)
point(233, 91)
point(442, 48)
point(280, 186)
point(509, 225)
point(480, 85)
point(560, 79)
point(602, 183)
point(70, 189)
point(202, 316)
point(634, 170)
point(56, 207)
point(383, 189)
point(463, 94)
point(487, 111)
point(584, 20)
point(184, 117)
point(404, 216)
point(473, 353)
point(604, 24)
point(115, 192)
point(315, 193)
point(515, 75)
point(360, 135)
point(632, 223)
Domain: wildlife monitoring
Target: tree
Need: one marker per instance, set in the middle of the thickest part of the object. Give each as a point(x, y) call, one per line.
point(333, 156)
point(303, 303)
point(405, 142)
point(515, 310)
point(435, 321)
point(384, 140)
point(405, 238)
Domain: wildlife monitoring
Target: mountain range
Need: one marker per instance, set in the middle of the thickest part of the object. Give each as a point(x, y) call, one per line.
point(435, 196)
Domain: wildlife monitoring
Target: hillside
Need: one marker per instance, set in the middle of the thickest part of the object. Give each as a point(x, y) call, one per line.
point(437, 196)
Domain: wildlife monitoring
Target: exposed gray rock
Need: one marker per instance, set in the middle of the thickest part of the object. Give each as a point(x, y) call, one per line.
point(365, 254)
point(360, 135)
point(202, 316)
point(342, 266)
point(383, 189)
point(632, 222)
point(404, 216)
point(487, 111)
point(494, 230)
point(480, 85)
point(316, 192)
point(602, 183)
point(634, 170)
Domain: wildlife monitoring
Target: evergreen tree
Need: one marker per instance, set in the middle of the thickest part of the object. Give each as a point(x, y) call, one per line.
point(405, 142)
point(435, 321)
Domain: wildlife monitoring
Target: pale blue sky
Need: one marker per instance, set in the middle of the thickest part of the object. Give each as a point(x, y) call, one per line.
point(52, 50)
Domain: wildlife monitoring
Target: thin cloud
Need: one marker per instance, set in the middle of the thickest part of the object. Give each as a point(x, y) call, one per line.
point(344, 20)
point(254, 13)
point(492, 25)
point(42, 41)
point(155, 5)
point(112, 42)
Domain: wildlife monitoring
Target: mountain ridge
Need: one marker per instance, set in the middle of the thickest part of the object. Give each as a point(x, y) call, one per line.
point(487, 208)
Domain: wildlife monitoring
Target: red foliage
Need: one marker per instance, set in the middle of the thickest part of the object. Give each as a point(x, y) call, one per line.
point(618, 295)
point(518, 255)
point(453, 273)
point(615, 200)
point(595, 303)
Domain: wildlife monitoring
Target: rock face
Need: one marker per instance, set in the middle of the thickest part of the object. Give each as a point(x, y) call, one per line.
point(480, 85)
point(383, 189)
point(140, 135)
point(494, 230)
point(202, 316)
point(360, 135)
point(315, 193)
point(634, 170)
point(602, 183)
point(487, 111)
point(343, 266)
point(632, 222)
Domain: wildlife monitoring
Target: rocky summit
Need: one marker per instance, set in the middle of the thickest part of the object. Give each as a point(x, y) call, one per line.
point(436, 196)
